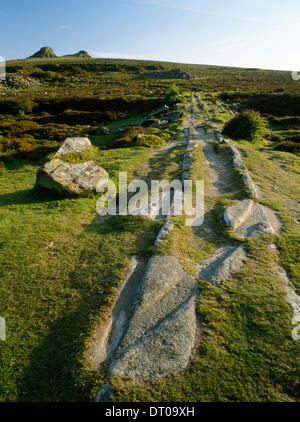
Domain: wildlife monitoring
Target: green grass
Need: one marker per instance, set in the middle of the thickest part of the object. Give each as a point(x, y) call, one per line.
point(59, 270)
point(238, 357)
point(59, 267)
point(244, 349)
point(59, 273)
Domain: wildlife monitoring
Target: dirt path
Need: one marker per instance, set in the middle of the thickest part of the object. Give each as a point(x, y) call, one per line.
point(219, 170)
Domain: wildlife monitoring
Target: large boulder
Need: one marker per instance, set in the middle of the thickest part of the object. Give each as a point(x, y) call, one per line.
point(70, 179)
point(73, 145)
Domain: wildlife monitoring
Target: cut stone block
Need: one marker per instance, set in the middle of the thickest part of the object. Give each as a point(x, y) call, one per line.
point(224, 262)
point(250, 219)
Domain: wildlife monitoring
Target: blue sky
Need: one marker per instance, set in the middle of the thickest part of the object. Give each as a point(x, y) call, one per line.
point(239, 33)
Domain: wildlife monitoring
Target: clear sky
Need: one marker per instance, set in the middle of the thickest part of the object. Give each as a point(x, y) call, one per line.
point(243, 33)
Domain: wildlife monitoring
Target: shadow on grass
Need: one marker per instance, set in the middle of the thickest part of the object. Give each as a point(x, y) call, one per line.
point(53, 374)
point(57, 368)
point(159, 162)
point(28, 196)
point(214, 226)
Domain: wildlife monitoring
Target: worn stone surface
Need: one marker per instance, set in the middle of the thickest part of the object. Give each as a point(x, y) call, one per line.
point(113, 329)
point(250, 219)
point(186, 164)
point(223, 263)
point(250, 185)
point(166, 228)
point(174, 115)
point(163, 350)
point(70, 178)
point(235, 215)
point(185, 176)
point(73, 145)
point(161, 332)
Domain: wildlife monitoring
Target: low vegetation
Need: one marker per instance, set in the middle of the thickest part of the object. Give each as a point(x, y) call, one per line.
point(61, 265)
point(173, 96)
point(246, 125)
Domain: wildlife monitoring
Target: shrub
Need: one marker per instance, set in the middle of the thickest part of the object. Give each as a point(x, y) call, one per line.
point(2, 167)
point(288, 146)
point(248, 125)
point(126, 137)
point(49, 75)
point(276, 138)
point(23, 144)
point(149, 141)
point(172, 96)
point(114, 115)
point(24, 107)
point(24, 126)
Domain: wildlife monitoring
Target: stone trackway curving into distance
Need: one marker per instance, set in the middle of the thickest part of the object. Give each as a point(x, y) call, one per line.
point(150, 331)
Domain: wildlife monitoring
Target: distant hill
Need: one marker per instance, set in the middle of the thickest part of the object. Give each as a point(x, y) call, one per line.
point(44, 52)
point(48, 52)
point(81, 53)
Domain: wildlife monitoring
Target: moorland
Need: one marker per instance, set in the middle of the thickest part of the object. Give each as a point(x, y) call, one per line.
point(60, 267)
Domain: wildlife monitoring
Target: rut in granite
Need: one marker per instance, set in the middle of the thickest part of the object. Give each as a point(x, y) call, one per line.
point(219, 176)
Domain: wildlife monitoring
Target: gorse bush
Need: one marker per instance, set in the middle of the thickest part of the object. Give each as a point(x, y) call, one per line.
point(289, 146)
point(24, 107)
point(247, 125)
point(127, 136)
point(23, 144)
point(173, 96)
point(149, 141)
point(49, 75)
point(23, 126)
